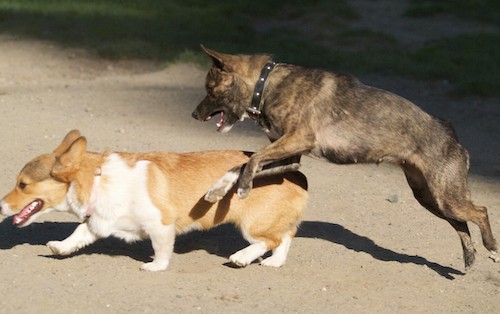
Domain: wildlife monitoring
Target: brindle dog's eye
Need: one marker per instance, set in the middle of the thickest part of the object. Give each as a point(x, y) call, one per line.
point(22, 185)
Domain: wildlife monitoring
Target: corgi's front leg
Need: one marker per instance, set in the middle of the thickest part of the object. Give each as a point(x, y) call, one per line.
point(81, 237)
point(162, 238)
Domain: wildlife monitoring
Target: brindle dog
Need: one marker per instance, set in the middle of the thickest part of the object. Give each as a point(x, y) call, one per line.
point(337, 118)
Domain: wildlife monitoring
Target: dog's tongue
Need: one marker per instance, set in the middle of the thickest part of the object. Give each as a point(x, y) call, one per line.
point(27, 212)
point(221, 121)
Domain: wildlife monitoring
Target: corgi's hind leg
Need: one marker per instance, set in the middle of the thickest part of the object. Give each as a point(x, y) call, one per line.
point(280, 253)
point(249, 254)
point(260, 246)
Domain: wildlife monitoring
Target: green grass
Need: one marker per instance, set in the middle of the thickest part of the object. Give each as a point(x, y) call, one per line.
point(159, 29)
point(311, 33)
point(478, 10)
point(470, 61)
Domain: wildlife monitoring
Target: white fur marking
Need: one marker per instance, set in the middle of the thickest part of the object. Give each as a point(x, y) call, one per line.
point(494, 256)
point(80, 238)
point(78, 209)
point(249, 254)
point(6, 210)
point(244, 116)
point(226, 128)
point(123, 208)
point(222, 186)
point(162, 239)
point(123, 205)
point(280, 253)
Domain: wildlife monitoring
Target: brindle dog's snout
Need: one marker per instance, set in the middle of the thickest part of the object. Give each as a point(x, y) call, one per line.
point(195, 115)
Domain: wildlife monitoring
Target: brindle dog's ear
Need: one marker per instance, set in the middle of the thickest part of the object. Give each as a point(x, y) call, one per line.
point(220, 60)
point(67, 141)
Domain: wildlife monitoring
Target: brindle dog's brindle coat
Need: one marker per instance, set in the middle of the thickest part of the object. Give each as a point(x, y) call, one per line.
point(337, 118)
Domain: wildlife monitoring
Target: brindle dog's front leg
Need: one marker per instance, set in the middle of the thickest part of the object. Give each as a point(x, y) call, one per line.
point(226, 182)
point(285, 147)
point(223, 185)
point(279, 167)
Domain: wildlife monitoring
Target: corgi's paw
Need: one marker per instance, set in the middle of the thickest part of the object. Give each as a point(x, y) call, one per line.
point(155, 266)
point(241, 259)
point(273, 261)
point(58, 248)
point(249, 254)
point(244, 257)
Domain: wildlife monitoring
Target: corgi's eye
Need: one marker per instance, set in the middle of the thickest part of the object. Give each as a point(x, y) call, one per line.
point(22, 185)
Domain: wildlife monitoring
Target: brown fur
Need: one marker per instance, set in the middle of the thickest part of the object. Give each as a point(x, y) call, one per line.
point(337, 118)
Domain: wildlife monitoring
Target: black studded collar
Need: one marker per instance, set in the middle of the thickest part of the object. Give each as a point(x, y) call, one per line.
point(255, 109)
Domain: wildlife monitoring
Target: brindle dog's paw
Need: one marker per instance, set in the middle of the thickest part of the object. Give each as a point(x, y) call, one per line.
point(214, 195)
point(222, 186)
point(495, 257)
point(243, 192)
point(244, 188)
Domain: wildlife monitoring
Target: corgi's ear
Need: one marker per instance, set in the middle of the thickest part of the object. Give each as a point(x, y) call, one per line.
point(68, 162)
point(67, 141)
point(220, 60)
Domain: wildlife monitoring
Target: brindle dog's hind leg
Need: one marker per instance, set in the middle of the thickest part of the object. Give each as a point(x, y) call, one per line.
point(464, 210)
point(424, 196)
point(452, 193)
point(229, 179)
point(448, 199)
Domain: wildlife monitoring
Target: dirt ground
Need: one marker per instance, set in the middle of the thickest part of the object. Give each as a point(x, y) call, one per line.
point(356, 251)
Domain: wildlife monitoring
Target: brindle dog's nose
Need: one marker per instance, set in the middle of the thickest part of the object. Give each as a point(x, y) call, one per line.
point(195, 115)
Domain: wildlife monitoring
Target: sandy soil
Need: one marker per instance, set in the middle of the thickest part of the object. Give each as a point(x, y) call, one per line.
point(355, 252)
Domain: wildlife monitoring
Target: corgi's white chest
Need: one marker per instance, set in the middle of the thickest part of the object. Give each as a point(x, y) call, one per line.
point(122, 204)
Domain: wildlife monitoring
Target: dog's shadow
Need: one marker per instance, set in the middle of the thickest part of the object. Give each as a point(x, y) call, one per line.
point(221, 241)
point(41, 233)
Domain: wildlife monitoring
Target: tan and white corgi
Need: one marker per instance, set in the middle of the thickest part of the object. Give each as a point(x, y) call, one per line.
point(156, 195)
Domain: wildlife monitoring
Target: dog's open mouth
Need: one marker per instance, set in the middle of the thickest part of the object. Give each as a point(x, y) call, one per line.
point(28, 211)
point(221, 122)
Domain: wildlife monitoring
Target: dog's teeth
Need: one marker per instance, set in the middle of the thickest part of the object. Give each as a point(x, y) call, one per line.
point(18, 220)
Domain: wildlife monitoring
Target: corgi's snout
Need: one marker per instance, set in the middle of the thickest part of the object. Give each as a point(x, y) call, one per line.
point(5, 209)
point(2, 208)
